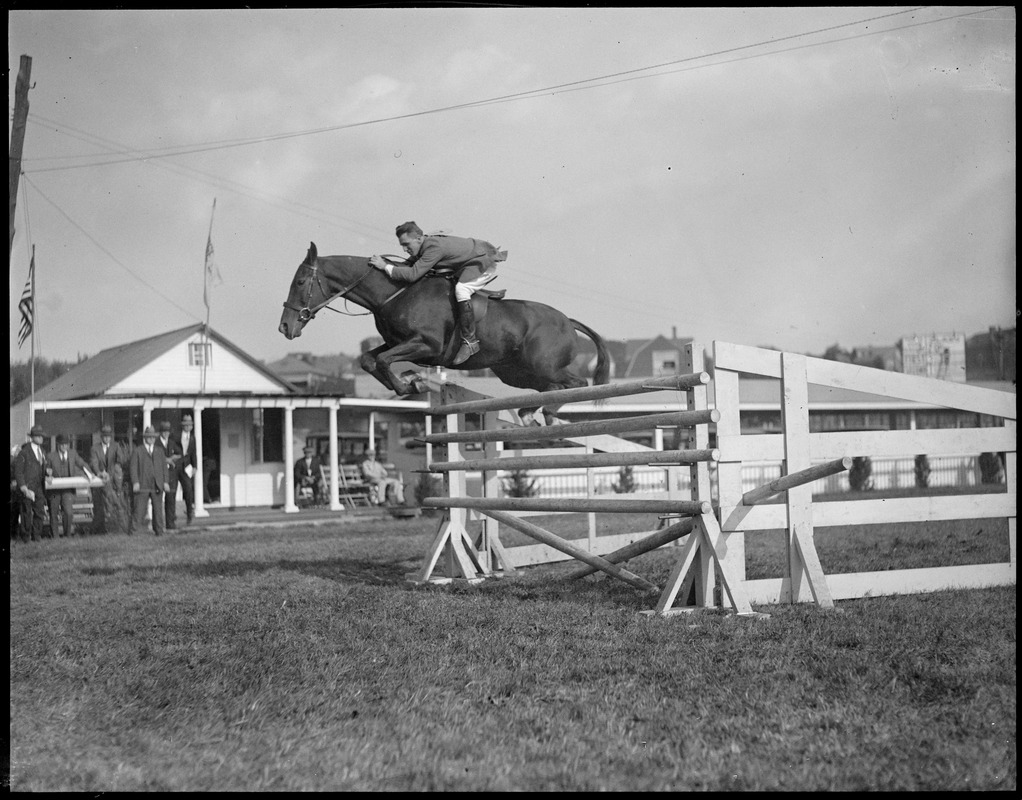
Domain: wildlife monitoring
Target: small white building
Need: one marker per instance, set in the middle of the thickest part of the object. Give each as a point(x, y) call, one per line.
point(250, 424)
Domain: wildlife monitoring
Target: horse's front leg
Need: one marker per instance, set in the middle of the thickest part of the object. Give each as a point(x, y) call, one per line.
point(415, 351)
point(369, 363)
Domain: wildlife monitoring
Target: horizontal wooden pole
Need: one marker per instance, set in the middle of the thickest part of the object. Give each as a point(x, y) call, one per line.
point(572, 504)
point(573, 460)
point(799, 478)
point(561, 396)
point(556, 542)
point(591, 428)
point(651, 542)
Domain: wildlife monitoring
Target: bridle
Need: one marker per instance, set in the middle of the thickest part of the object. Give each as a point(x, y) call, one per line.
point(305, 312)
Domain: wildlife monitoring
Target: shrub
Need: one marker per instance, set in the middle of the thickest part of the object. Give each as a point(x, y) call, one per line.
point(518, 484)
point(428, 486)
point(922, 471)
point(990, 468)
point(859, 476)
point(625, 481)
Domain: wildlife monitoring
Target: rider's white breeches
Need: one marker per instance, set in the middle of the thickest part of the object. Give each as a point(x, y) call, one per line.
point(464, 290)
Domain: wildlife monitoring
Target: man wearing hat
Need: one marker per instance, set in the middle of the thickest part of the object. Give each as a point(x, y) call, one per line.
point(309, 474)
point(172, 452)
point(186, 466)
point(29, 472)
point(63, 463)
point(108, 461)
point(147, 469)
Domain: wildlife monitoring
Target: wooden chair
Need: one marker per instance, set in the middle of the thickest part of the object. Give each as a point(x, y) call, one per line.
point(352, 489)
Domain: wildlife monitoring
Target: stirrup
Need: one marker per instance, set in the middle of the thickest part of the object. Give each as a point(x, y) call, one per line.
point(468, 349)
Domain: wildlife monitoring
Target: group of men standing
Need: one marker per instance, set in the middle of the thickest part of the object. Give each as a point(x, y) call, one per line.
point(135, 478)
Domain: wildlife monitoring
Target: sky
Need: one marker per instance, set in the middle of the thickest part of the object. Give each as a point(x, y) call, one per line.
point(783, 177)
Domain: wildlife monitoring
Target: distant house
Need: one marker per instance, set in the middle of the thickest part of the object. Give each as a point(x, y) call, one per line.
point(250, 423)
point(316, 374)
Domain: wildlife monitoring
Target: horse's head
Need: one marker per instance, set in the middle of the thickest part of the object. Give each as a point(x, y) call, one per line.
point(305, 294)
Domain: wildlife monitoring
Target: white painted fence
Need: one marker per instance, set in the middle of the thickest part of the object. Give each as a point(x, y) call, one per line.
point(888, 473)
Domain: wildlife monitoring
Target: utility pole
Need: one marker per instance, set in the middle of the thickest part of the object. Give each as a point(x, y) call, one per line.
point(18, 136)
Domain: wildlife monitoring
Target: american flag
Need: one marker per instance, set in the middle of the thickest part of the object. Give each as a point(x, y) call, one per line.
point(26, 304)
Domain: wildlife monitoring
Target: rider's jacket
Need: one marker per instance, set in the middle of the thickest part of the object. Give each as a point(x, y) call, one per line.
point(468, 259)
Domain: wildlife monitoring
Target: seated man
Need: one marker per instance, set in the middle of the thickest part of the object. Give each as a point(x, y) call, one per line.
point(308, 474)
point(376, 474)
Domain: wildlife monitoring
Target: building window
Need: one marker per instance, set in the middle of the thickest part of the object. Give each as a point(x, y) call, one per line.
point(267, 434)
point(200, 354)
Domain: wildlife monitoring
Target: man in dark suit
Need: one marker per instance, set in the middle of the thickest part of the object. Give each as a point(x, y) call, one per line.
point(186, 467)
point(29, 472)
point(172, 450)
point(63, 463)
point(109, 462)
point(308, 474)
point(147, 468)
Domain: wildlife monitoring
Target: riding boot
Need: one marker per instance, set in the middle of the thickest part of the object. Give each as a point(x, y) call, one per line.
point(467, 326)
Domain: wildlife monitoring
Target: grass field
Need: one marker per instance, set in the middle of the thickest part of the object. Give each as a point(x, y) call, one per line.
point(300, 659)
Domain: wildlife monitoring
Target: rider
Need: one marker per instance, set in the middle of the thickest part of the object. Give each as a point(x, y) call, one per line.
point(473, 261)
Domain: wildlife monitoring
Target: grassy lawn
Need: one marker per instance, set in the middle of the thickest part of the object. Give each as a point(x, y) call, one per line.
point(301, 660)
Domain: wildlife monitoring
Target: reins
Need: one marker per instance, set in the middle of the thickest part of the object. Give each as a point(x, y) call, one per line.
point(306, 313)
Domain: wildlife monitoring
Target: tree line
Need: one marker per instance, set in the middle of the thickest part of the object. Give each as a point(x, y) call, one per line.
point(45, 372)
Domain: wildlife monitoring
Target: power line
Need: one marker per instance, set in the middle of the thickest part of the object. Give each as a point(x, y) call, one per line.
point(110, 255)
point(608, 79)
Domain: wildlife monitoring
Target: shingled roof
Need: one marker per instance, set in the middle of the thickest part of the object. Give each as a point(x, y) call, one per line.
point(95, 376)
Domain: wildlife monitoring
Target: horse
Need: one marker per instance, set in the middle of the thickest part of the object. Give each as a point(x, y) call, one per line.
point(527, 345)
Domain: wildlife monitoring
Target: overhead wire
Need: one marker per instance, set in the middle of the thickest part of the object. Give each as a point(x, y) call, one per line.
point(178, 150)
point(579, 85)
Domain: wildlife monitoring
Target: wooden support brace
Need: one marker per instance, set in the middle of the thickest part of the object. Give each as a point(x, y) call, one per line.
point(799, 478)
point(707, 534)
point(813, 570)
point(535, 532)
point(651, 542)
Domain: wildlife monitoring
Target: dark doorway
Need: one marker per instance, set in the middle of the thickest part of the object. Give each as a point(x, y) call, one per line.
point(211, 455)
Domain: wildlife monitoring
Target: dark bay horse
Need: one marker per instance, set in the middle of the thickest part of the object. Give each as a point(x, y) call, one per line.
point(527, 345)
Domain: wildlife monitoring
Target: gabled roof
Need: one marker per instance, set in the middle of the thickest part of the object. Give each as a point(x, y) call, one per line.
point(95, 376)
point(295, 364)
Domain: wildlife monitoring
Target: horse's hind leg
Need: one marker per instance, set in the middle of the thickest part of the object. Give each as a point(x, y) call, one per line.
point(562, 379)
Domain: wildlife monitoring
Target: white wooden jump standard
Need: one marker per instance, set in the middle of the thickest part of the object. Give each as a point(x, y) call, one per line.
point(472, 561)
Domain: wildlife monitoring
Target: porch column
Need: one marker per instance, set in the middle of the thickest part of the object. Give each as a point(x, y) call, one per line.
point(198, 479)
point(289, 460)
point(147, 417)
point(335, 468)
point(372, 430)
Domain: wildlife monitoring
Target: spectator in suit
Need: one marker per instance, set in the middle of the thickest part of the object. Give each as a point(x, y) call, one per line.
point(374, 472)
point(308, 473)
point(109, 461)
point(29, 474)
point(186, 468)
point(172, 450)
point(15, 497)
point(63, 463)
point(147, 468)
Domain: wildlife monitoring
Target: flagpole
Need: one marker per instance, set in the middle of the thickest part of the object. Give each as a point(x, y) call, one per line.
point(31, 362)
point(206, 272)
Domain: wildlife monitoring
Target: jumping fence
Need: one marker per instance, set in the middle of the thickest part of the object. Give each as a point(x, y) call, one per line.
point(711, 510)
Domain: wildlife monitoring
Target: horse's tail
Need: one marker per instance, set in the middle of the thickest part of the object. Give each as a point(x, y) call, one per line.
point(601, 374)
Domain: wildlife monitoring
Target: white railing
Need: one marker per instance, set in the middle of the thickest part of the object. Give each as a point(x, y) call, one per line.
point(887, 473)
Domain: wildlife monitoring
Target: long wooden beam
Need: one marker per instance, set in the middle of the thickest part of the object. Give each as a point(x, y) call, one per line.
point(547, 538)
point(592, 427)
point(651, 542)
point(572, 504)
point(799, 478)
point(572, 460)
point(561, 396)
